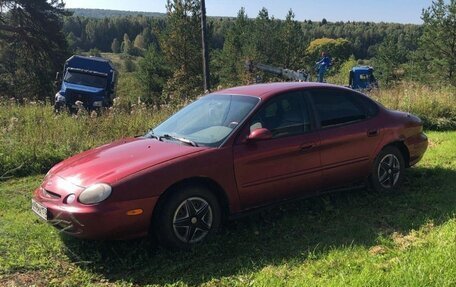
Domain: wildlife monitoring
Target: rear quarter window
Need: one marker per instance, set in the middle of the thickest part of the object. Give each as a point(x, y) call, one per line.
point(371, 106)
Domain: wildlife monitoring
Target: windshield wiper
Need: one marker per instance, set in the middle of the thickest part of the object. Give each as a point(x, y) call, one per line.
point(152, 135)
point(184, 140)
point(170, 137)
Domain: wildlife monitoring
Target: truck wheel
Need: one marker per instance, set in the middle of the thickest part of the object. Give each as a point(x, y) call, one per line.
point(388, 170)
point(188, 217)
point(58, 107)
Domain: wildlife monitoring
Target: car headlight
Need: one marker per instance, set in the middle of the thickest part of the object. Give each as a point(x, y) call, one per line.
point(59, 97)
point(95, 193)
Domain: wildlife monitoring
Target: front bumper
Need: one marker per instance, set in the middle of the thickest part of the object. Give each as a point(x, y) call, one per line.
point(107, 220)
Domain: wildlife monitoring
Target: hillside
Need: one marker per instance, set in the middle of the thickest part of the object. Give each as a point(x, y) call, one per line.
point(106, 13)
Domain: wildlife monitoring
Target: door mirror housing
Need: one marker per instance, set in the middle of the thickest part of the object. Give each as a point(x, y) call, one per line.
point(260, 134)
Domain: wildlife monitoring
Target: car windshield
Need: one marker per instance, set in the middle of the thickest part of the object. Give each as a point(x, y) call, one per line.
point(90, 80)
point(207, 121)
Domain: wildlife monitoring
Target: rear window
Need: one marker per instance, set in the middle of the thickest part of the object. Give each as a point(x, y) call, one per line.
point(335, 107)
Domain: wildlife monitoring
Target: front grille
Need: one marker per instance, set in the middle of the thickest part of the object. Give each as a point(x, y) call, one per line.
point(74, 97)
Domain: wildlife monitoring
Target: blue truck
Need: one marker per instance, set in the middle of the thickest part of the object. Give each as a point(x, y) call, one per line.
point(362, 78)
point(88, 82)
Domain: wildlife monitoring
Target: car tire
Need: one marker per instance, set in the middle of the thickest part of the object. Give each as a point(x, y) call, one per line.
point(388, 170)
point(189, 216)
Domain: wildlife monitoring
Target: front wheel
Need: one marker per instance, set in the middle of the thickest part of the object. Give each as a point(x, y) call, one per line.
point(189, 216)
point(388, 170)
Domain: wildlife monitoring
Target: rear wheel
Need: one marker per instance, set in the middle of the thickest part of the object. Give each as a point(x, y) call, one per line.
point(189, 216)
point(388, 170)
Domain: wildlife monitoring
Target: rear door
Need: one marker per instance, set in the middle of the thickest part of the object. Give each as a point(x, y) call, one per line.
point(285, 166)
point(349, 134)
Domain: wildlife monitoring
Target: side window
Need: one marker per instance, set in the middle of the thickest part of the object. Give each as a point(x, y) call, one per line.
point(370, 106)
point(283, 116)
point(336, 107)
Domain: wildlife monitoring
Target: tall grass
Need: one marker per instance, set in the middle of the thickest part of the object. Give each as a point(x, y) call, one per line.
point(33, 138)
point(436, 106)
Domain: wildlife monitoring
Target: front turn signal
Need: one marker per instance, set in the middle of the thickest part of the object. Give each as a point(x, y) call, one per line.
point(135, 212)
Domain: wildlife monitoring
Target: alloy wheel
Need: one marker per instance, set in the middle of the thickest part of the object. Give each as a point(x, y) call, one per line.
point(192, 220)
point(388, 171)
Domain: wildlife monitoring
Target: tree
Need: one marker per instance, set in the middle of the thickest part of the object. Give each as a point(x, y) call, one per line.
point(292, 39)
point(181, 45)
point(266, 48)
point(32, 46)
point(129, 65)
point(72, 41)
point(339, 50)
point(115, 46)
point(126, 47)
point(437, 45)
point(234, 54)
point(152, 75)
point(139, 42)
point(388, 60)
point(148, 36)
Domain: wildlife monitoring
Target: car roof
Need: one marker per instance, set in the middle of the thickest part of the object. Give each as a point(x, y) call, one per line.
point(265, 91)
point(362, 68)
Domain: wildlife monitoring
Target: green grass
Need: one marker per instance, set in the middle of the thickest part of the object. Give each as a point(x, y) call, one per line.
point(33, 138)
point(354, 238)
point(436, 106)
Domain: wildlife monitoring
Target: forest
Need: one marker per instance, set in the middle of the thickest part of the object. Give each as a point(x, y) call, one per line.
point(165, 51)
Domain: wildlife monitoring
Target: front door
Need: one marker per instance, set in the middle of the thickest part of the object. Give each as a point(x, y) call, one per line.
point(285, 166)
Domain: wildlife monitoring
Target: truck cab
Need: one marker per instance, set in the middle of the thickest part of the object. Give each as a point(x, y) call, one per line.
point(362, 78)
point(88, 82)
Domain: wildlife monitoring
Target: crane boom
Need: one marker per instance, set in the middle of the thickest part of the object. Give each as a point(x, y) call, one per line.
point(300, 75)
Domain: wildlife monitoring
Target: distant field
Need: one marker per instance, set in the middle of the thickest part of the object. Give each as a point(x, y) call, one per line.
point(354, 238)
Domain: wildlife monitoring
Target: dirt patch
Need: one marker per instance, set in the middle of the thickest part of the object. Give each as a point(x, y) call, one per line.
point(31, 278)
point(377, 250)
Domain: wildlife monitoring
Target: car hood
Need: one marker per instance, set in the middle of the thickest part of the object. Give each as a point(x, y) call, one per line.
point(114, 161)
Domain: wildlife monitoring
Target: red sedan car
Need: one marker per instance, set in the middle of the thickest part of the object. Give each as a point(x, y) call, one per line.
point(226, 153)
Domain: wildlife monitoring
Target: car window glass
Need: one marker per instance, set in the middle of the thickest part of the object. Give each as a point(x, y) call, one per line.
point(209, 120)
point(282, 116)
point(370, 106)
point(337, 107)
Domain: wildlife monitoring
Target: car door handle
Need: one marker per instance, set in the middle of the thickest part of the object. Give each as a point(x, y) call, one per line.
point(306, 147)
point(372, 133)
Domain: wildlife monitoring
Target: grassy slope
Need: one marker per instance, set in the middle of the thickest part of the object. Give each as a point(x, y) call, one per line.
point(352, 238)
point(33, 138)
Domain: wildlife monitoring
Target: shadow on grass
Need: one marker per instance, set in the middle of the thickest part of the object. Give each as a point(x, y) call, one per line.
point(288, 233)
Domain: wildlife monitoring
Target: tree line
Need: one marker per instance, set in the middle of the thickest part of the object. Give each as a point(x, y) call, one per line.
point(85, 33)
point(170, 46)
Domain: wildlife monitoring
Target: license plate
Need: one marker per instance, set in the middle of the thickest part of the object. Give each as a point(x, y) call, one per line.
point(39, 209)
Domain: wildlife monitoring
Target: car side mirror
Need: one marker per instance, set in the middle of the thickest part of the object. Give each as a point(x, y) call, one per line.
point(259, 134)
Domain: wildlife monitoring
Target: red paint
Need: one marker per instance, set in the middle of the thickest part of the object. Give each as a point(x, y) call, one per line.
point(250, 173)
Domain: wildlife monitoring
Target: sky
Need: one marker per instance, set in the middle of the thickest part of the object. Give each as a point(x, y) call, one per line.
point(398, 11)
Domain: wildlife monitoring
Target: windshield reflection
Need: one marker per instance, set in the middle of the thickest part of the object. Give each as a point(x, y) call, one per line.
point(207, 121)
